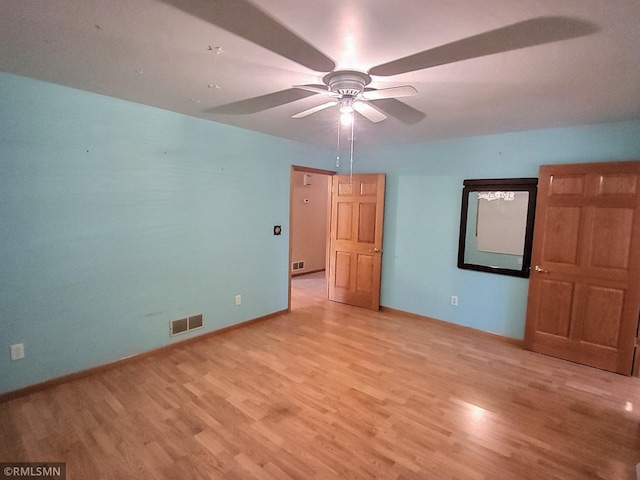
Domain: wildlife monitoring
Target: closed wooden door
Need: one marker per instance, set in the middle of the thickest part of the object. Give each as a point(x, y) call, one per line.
point(355, 258)
point(584, 289)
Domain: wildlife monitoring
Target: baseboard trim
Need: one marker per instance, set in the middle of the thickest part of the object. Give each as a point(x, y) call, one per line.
point(454, 326)
point(300, 274)
point(22, 392)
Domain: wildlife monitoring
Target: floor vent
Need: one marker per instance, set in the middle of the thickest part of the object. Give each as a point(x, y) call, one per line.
point(183, 325)
point(297, 266)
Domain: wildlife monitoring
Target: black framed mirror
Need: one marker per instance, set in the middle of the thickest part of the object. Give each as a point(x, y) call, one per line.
point(496, 225)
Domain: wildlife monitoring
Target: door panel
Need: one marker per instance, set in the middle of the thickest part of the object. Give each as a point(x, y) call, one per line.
point(618, 185)
point(355, 258)
point(344, 221)
point(611, 242)
point(367, 223)
point(342, 269)
point(555, 311)
point(568, 184)
point(364, 281)
point(602, 316)
point(561, 241)
point(584, 292)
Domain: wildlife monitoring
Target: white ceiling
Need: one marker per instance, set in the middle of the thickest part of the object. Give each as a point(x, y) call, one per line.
point(154, 53)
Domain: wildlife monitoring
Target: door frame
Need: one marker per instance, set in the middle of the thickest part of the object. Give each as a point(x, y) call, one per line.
point(317, 171)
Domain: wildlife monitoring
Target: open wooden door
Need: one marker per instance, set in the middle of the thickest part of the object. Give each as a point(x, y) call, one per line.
point(584, 289)
point(355, 252)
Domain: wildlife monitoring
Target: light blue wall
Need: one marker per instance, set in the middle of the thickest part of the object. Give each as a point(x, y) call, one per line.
point(116, 218)
point(422, 215)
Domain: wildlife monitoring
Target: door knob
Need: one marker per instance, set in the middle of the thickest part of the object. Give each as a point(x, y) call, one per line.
point(541, 270)
point(375, 250)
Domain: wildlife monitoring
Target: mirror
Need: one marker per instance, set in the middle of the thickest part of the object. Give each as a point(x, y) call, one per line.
point(496, 225)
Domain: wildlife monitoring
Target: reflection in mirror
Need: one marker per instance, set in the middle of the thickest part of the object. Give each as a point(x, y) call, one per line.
point(496, 227)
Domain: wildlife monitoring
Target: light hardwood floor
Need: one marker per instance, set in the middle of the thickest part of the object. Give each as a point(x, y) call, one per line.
point(333, 392)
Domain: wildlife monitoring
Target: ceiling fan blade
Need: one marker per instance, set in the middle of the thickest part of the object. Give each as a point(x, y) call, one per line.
point(315, 109)
point(263, 102)
point(401, 111)
point(321, 89)
point(243, 18)
point(536, 31)
point(369, 112)
point(392, 92)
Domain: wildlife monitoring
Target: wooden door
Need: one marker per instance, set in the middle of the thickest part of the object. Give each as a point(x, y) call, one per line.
point(584, 289)
point(355, 258)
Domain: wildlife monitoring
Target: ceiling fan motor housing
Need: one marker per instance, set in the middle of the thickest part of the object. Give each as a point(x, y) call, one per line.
point(347, 83)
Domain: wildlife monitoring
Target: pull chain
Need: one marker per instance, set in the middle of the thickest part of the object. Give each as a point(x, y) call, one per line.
point(338, 147)
point(353, 121)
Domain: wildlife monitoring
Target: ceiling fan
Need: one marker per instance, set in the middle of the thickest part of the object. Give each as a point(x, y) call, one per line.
point(348, 88)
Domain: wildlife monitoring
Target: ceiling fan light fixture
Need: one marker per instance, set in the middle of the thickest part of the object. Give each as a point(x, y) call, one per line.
point(346, 105)
point(346, 118)
point(346, 111)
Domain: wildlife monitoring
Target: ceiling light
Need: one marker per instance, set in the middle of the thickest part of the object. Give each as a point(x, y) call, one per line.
point(346, 105)
point(346, 111)
point(346, 118)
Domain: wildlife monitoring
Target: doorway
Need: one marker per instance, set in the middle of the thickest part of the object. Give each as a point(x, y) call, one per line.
point(309, 216)
point(348, 219)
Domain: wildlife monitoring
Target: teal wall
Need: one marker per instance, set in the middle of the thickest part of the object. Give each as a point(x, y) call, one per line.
point(422, 216)
point(116, 218)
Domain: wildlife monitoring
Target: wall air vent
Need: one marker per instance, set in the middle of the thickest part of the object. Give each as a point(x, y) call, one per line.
point(183, 325)
point(179, 326)
point(297, 266)
point(195, 322)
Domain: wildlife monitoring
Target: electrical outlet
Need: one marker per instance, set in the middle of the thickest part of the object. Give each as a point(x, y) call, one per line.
point(238, 299)
point(17, 351)
point(454, 300)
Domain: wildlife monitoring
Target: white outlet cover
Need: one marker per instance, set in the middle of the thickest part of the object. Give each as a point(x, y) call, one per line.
point(17, 351)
